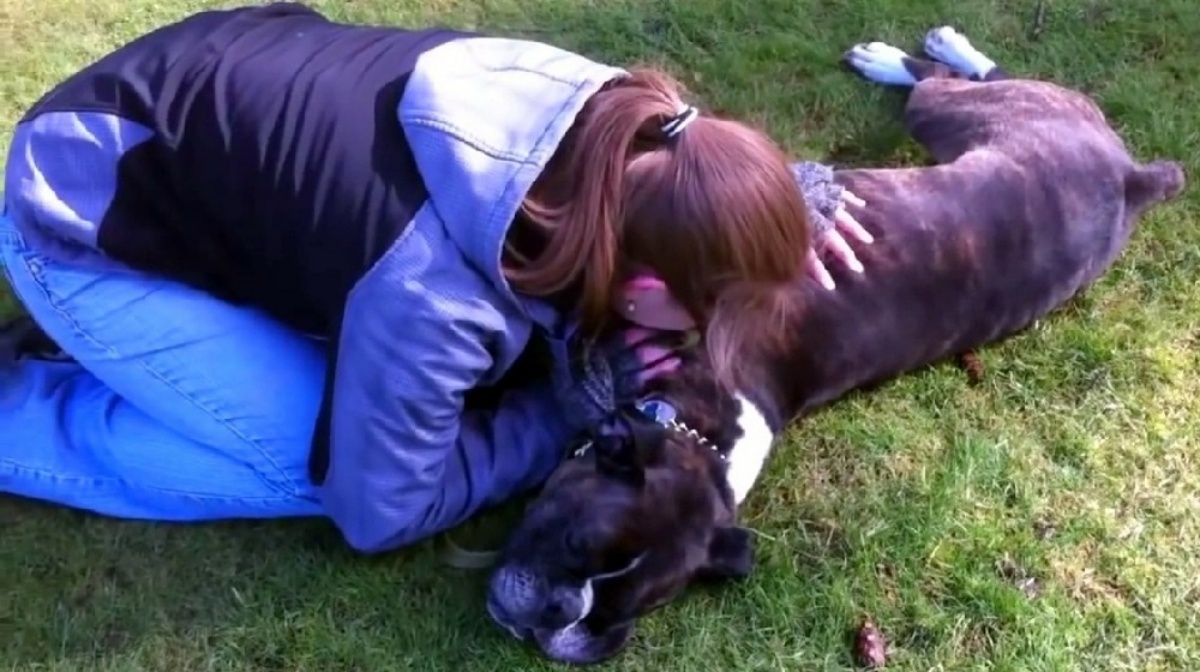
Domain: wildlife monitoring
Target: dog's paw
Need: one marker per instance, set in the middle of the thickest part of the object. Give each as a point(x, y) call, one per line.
point(881, 63)
point(947, 45)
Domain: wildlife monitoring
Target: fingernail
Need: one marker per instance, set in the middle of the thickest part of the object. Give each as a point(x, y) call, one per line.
point(829, 284)
point(858, 267)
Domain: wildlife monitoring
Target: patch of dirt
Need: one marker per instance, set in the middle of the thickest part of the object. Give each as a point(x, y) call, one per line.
point(96, 583)
point(1044, 530)
point(980, 639)
point(830, 536)
point(113, 638)
point(1019, 577)
point(886, 575)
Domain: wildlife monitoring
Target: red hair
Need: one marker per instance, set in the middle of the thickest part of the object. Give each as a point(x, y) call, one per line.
point(714, 212)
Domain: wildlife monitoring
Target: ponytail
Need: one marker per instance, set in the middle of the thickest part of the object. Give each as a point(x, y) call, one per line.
point(577, 208)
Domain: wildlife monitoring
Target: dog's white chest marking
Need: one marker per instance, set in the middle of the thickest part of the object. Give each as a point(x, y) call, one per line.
point(750, 451)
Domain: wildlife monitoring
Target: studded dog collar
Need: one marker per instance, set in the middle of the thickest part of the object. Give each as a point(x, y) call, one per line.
point(665, 415)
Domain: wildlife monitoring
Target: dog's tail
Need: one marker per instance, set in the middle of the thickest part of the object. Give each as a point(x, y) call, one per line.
point(1153, 183)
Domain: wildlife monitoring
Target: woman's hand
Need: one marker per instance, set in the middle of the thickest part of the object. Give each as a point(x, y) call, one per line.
point(833, 241)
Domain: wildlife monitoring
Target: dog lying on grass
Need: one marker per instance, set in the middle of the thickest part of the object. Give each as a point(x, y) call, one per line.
point(1033, 197)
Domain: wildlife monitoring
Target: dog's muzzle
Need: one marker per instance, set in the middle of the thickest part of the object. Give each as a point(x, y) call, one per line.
point(524, 603)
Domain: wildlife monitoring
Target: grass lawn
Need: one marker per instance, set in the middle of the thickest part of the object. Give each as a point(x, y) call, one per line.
point(1045, 519)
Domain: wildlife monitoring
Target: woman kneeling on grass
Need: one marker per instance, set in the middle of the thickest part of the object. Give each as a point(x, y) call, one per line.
point(280, 252)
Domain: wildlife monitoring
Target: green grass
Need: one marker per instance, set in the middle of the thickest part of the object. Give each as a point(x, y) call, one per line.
point(928, 504)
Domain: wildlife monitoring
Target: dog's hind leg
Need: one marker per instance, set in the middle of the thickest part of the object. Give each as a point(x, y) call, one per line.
point(891, 66)
point(947, 45)
point(942, 109)
point(881, 63)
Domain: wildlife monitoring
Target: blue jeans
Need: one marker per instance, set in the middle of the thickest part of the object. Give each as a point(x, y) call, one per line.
point(180, 407)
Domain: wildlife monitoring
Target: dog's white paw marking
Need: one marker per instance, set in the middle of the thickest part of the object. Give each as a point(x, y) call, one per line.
point(951, 47)
point(881, 63)
point(750, 452)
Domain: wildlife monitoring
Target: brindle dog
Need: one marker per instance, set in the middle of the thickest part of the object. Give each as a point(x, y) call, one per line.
point(1033, 196)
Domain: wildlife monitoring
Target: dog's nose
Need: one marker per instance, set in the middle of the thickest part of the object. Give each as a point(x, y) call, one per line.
point(517, 591)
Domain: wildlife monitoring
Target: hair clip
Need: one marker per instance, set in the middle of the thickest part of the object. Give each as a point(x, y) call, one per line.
point(675, 125)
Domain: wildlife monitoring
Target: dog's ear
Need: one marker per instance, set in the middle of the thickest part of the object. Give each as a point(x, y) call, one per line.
point(618, 450)
point(625, 445)
point(730, 554)
point(617, 457)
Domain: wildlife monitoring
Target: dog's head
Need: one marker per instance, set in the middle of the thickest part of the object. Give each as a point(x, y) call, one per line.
point(640, 511)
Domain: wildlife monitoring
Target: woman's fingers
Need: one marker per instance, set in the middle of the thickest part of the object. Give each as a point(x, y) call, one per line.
point(850, 197)
point(834, 242)
point(848, 224)
point(836, 245)
point(816, 269)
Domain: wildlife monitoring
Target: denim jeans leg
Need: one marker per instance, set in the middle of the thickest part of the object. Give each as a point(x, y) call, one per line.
point(179, 407)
